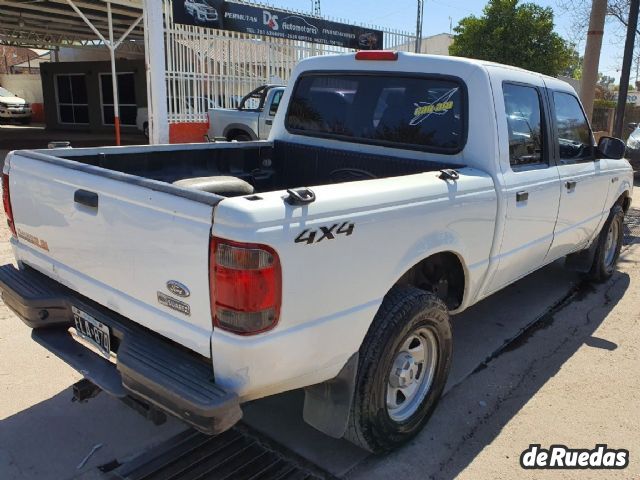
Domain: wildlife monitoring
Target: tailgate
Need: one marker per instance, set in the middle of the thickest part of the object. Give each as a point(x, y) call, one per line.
point(126, 253)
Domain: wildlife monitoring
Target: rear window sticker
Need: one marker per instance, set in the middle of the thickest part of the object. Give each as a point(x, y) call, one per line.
point(440, 106)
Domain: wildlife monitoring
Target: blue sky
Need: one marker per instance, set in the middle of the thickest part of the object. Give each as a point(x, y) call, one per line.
point(401, 14)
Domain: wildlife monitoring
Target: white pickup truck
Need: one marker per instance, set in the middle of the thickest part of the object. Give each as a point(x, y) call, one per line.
point(395, 190)
point(253, 118)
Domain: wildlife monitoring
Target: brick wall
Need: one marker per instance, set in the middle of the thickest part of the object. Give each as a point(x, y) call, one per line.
point(10, 56)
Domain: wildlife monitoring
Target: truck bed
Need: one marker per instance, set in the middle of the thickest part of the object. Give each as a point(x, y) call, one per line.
point(265, 165)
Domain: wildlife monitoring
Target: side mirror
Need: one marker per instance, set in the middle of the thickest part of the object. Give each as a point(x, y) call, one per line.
point(610, 147)
point(632, 126)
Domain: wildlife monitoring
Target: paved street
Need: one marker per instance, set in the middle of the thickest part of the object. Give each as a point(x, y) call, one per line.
point(569, 377)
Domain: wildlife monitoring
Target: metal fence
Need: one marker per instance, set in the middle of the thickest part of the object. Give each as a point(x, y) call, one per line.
point(602, 119)
point(209, 68)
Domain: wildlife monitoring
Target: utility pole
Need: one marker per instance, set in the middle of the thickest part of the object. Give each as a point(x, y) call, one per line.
point(626, 67)
point(419, 26)
point(592, 55)
point(317, 10)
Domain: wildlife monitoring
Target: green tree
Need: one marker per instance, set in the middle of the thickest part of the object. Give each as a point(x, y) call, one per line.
point(514, 33)
point(574, 66)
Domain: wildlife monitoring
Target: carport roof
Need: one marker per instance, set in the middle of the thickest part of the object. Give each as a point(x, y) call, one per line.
point(54, 23)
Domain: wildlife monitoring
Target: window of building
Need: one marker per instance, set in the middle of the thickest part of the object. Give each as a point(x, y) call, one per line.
point(72, 99)
point(126, 97)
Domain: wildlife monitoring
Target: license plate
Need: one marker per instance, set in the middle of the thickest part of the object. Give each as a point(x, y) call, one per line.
point(90, 329)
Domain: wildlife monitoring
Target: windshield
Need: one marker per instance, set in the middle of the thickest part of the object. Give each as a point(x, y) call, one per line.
point(5, 93)
point(410, 112)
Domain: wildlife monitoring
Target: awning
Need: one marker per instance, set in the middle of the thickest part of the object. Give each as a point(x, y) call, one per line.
point(54, 23)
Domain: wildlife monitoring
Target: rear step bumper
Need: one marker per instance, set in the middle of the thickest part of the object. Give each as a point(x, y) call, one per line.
point(148, 367)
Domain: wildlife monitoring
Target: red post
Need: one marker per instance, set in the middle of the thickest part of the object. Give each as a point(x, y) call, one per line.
point(117, 125)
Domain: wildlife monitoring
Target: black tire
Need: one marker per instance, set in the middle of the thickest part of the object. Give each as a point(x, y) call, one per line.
point(404, 311)
point(240, 137)
point(603, 264)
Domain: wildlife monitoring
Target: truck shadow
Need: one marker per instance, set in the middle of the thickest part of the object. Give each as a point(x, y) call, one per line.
point(48, 440)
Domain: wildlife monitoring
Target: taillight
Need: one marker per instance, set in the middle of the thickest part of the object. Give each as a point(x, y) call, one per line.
point(6, 201)
point(377, 55)
point(246, 286)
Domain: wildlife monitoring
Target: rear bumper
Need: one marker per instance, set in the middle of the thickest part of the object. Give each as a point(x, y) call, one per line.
point(147, 367)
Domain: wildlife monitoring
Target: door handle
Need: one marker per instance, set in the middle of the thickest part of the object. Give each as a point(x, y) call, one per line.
point(522, 196)
point(571, 184)
point(86, 198)
point(269, 122)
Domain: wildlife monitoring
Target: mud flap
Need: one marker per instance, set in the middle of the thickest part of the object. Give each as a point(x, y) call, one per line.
point(582, 261)
point(327, 405)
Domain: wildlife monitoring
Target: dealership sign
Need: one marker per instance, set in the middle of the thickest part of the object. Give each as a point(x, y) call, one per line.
point(632, 97)
point(272, 22)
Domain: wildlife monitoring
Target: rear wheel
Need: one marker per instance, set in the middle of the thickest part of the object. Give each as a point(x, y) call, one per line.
point(403, 367)
point(609, 246)
point(240, 137)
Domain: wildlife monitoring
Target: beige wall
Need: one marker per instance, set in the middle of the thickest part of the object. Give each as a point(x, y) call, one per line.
point(433, 45)
point(571, 81)
point(25, 86)
point(94, 54)
point(437, 44)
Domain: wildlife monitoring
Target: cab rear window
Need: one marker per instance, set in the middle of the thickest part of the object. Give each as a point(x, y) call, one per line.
point(400, 111)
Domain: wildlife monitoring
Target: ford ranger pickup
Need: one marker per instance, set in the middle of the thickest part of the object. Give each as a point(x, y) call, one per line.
point(394, 190)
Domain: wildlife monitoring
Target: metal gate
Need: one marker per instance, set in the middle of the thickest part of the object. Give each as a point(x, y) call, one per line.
point(215, 68)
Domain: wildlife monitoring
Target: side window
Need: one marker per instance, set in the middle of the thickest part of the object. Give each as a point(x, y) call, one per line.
point(524, 120)
point(574, 134)
point(275, 103)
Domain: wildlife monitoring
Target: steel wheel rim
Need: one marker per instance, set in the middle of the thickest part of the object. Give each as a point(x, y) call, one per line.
point(611, 245)
point(411, 374)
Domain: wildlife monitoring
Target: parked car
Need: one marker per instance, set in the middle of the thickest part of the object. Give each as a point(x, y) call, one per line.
point(633, 149)
point(13, 107)
point(201, 11)
point(396, 190)
point(253, 118)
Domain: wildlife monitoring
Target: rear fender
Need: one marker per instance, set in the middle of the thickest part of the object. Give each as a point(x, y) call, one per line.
point(439, 242)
